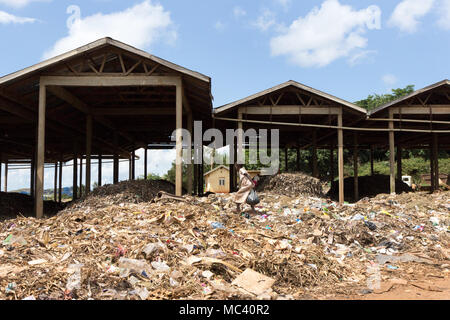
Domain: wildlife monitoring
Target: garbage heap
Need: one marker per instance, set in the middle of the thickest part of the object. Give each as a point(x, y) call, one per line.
point(197, 248)
point(14, 204)
point(135, 191)
point(291, 184)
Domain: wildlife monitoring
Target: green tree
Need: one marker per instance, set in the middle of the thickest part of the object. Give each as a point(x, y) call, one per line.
point(376, 100)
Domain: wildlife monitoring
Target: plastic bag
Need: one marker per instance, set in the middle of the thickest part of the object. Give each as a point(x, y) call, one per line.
point(253, 198)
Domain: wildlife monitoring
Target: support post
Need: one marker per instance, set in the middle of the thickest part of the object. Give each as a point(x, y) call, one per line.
point(392, 151)
point(399, 162)
point(355, 167)
point(145, 163)
point(60, 181)
point(179, 142)
point(81, 177)
point(55, 189)
point(133, 165)
point(286, 169)
point(332, 164)
point(40, 154)
point(33, 174)
point(298, 159)
point(75, 175)
point(189, 152)
point(88, 152)
point(341, 157)
point(116, 160)
point(314, 155)
point(371, 161)
point(100, 167)
point(240, 141)
point(435, 161)
point(6, 176)
point(130, 168)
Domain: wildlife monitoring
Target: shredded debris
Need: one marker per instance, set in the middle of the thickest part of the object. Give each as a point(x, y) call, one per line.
point(298, 247)
point(292, 184)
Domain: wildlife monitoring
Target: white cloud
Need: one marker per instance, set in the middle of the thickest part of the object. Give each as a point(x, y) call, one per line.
point(20, 3)
point(360, 56)
point(6, 18)
point(140, 26)
point(444, 21)
point(265, 21)
point(219, 26)
point(406, 14)
point(389, 79)
point(238, 12)
point(284, 3)
point(327, 33)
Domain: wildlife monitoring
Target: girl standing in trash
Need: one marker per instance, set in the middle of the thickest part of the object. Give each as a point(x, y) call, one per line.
point(246, 186)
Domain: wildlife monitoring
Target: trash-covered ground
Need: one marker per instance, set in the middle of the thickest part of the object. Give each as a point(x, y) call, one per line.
point(300, 247)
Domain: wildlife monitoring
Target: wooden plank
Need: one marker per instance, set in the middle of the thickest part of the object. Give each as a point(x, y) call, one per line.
point(39, 201)
point(108, 81)
point(417, 109)
point(133, 111)
point(179, 141)
point(290, 110)
point(341, 158)
point(392, 152)
point(88, 152)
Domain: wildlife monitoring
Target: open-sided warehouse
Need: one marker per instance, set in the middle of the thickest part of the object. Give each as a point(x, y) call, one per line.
point(105, 99)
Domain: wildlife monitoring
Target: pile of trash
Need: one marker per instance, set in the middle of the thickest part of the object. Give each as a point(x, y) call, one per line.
point(368, 186)
point(292, 184)
point(197, 248)
point(135, 191)
point(16, 204)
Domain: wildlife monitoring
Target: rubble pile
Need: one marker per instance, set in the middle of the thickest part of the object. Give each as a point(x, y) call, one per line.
point(291, 184)
point(14, 204)
point(196, 248)
point(368, 186)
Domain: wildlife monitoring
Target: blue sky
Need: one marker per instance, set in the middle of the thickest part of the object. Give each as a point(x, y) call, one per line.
point(348, 48)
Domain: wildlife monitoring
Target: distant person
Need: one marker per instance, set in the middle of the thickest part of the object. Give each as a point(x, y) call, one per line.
point(246, 185)
point(256, 180)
